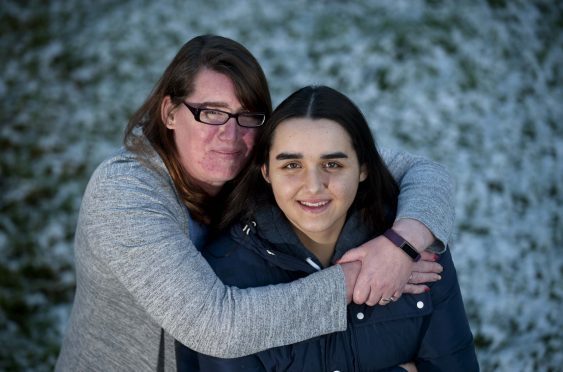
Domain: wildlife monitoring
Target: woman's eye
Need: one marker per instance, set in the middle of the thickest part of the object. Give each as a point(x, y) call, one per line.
point(212, 113)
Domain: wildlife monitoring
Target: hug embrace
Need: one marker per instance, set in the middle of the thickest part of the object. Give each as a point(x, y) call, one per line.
point(198, 245)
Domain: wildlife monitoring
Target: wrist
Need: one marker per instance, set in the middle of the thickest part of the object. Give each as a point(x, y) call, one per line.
point(415, 232)
point(402, 244)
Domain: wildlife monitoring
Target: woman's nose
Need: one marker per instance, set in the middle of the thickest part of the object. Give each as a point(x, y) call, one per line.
point(229, 130)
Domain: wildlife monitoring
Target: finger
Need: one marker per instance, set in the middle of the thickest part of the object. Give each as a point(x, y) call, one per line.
point(364, 291)
point(374, 298)
point(418, 278)
point(362, 294)
point(351, 271)
point(428, 256)
point(376, 294)
point(427, 267)
point(416, 288)
point(352, 255)
point(384, 301)
point(388, 299)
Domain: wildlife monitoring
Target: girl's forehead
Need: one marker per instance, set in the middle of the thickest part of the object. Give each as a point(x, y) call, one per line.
point(307, 126)
point(305, 135)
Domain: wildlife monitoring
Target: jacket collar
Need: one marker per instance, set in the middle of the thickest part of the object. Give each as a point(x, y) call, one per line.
point(275, 240)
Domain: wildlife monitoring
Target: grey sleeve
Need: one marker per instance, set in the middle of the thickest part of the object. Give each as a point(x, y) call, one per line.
point(135, 228)
point(427, 192)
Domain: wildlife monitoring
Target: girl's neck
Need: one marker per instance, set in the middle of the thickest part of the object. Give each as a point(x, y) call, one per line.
point(322, 248)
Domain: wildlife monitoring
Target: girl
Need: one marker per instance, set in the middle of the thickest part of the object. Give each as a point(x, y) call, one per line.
point(315, 188)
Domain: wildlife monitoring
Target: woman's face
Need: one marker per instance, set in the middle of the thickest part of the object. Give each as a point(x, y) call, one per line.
point(314, 173)
point(210, 154)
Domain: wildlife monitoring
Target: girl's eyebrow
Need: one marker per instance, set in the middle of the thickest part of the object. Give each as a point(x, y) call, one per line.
point(297, 155)
point(289, 155)
point(335, 155)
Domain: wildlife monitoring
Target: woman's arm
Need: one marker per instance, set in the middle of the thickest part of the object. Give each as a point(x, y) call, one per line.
point(426, 195)
point(425, 211)
point(135, 224)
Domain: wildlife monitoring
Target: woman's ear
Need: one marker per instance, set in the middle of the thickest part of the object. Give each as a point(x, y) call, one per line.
point(167, 110)
point(363, 173)
point(264, 169)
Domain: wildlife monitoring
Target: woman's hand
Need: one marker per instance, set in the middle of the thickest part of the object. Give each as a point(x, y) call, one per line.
point(351, 271)
point(386, 271)
point(426, 270)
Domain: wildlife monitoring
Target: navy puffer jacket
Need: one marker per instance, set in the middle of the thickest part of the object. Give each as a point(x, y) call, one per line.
point(430, 329)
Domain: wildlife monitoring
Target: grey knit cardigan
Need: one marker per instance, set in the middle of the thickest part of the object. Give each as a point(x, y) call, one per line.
point(141, 283)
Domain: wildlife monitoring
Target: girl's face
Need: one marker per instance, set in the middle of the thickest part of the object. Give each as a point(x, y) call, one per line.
point(314, 173)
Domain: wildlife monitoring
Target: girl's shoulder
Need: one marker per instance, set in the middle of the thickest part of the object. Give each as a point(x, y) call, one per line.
point(448, 285)
point(236, 263)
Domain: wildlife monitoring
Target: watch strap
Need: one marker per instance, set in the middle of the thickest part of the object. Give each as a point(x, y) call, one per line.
point(402, 243)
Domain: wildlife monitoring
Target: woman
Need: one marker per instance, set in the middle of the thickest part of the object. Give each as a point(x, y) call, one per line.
point(141, 281)
point(315, 187)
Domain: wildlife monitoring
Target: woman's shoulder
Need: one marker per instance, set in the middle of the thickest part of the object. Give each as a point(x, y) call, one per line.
point(123, 181)
point(125, 169)
point(126, 163)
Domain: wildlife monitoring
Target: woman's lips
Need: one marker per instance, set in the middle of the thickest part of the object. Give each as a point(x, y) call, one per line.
point(227, 152)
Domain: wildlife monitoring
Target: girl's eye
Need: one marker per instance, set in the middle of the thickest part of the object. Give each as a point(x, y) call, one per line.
point(291, 166)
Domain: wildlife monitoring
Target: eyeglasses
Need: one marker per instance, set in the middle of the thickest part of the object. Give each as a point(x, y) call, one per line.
point(219, 117)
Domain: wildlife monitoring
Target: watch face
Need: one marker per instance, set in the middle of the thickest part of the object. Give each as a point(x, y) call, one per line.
point(400, 242)
point(410, 251)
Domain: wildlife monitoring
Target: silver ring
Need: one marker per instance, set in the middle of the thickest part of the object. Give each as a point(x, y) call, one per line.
point(385, 299)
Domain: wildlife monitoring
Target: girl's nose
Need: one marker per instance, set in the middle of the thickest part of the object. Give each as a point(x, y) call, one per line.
point(314, 181)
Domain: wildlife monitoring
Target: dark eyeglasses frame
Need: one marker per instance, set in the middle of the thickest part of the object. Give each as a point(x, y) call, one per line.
point(196, 111)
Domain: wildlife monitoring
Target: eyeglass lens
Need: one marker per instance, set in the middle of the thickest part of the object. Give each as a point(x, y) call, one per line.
point(218, 117)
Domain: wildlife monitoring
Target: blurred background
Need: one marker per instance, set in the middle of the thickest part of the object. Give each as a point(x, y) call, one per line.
point(475, 85)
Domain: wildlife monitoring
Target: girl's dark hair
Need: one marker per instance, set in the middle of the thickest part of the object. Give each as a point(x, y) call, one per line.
point(207, 51)
point(376, 198)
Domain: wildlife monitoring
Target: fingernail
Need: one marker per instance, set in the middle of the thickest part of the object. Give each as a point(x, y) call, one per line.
point(438, 277)
point(436, 257)
point(426, 289)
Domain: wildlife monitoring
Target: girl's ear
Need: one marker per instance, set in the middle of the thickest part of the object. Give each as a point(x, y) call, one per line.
point(167, 110)
point(363, 173)
point(264, 169)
